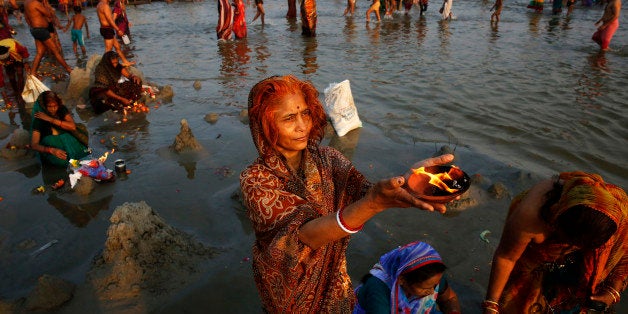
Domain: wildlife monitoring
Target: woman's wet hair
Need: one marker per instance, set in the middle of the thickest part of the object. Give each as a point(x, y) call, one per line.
point(585, 227)
point(423, 273)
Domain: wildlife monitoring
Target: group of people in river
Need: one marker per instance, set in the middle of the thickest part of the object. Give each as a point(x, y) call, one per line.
point(232, 15)
point(563, 241)
point(54, 134)
point(562, 248)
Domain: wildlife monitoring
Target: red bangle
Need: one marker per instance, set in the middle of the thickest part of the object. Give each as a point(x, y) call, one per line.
point(343, 225)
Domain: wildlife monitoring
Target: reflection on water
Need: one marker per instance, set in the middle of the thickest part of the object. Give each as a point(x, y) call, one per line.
point(591, 81)
point(372, 29)
point(24, 114)
point(494, 33)
point(79, 214)
point(261, 54)
point(235, 57)
point(349, 29)
point(421, 30)
point(292, 25)
point(190, 168)
point(78, 209)
point(444, 33)
point(346, 144)
point(533, 23)
point(309, 55)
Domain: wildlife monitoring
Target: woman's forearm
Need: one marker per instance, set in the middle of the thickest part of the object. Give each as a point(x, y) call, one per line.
point(67, 124)
point(323, 230)
point(113, 95)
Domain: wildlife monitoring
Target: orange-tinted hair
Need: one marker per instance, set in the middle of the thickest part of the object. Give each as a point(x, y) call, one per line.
point(265, 96)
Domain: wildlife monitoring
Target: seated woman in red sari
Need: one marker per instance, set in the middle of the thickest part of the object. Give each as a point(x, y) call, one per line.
point(114, 86)
point(51, 132)
point(563, 248)
point(305, 200)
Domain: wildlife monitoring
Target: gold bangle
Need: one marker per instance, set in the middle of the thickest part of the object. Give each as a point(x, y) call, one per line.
point(491, 302)
point(491, 309)
point(614, 293)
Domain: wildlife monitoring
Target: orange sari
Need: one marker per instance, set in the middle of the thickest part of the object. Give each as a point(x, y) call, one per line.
point(308, 18)
point(525, 291)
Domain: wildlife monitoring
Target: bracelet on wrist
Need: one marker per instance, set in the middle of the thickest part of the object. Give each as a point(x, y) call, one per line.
point(614, 293)
point(343, 225)
point(491, 305)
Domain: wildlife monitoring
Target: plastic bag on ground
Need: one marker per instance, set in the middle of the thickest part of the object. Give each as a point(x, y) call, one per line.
point(340, 108)
point(32, 88)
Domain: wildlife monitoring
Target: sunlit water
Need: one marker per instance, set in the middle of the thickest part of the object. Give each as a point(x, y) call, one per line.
point(533, 95)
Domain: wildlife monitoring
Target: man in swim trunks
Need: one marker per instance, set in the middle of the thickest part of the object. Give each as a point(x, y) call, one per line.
point(109, 29)
point(38, 18)
point(608, 24)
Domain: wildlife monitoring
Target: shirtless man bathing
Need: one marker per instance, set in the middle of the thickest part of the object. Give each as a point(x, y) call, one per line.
point(108, 30)
point(38, 18)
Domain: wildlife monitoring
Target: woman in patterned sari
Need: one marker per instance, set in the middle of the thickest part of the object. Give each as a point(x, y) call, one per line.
point(304, 201)
point(114, 86)
point(563, 248)
point(224, 27)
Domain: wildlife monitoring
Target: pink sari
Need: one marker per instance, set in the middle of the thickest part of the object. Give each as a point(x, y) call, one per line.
point(603, 37)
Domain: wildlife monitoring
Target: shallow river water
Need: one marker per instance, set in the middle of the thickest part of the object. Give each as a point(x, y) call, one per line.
point(520, 101)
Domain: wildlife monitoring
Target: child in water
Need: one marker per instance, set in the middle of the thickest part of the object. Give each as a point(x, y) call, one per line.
point(77, 22)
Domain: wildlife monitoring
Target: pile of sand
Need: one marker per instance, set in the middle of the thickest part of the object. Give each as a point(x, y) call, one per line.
point(144, 259)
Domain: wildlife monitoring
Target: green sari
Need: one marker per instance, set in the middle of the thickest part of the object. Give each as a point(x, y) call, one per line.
point(64, 140)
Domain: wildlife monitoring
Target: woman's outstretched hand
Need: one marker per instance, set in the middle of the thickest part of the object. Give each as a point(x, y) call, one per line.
point(390, 193)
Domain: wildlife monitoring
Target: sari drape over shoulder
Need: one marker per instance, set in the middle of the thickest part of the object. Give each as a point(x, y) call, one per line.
point(63, 139)
point(290, 276)
point(107, 77)
point(529, 287)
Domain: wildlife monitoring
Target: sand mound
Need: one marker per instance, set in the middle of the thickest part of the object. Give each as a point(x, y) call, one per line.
point(144, 259)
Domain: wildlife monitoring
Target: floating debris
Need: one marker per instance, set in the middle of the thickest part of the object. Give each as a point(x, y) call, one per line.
point(483, 235)
point(43, 247)
point(39, 190)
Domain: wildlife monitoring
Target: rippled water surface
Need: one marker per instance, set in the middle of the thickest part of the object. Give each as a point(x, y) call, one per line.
point(531, 96)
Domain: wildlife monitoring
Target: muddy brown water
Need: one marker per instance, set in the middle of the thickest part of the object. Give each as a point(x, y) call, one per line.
point(519, 102)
